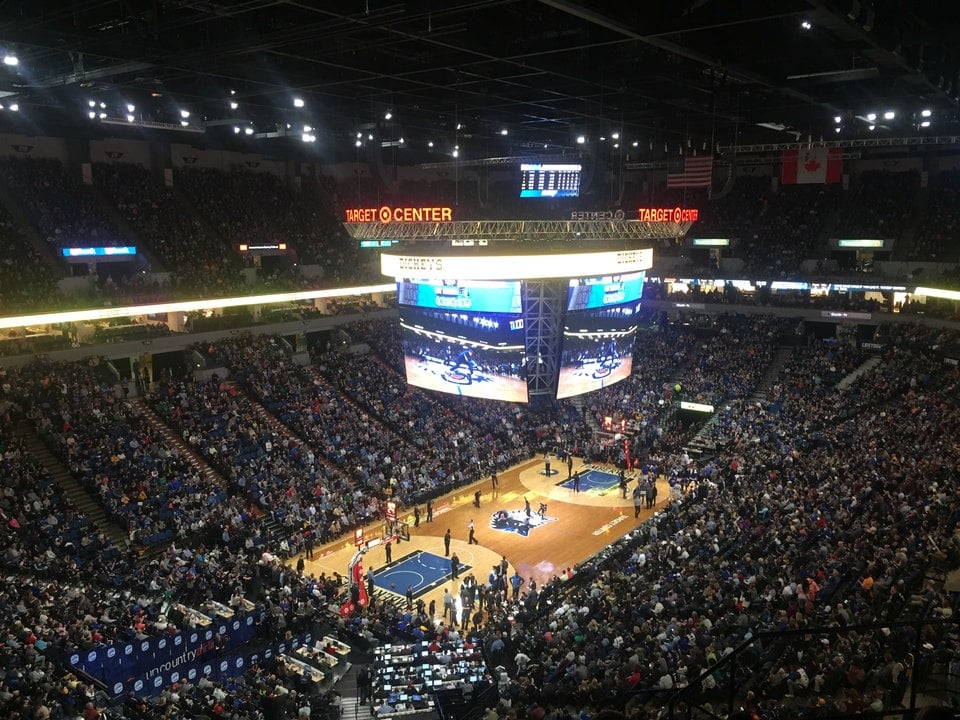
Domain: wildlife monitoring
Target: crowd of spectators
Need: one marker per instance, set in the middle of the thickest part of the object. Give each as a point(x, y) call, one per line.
point(821, 511)
point(732, 215)
point(789, 228)
point(26, 279)
point(258, 208)
point(938, 233)
point(880, 205)
point(201, 263)
point(66, 212)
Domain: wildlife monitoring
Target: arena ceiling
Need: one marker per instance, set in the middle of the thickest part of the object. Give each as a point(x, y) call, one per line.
point(494, 77)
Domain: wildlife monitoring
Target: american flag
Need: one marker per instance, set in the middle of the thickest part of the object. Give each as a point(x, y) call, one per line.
point(697, 173)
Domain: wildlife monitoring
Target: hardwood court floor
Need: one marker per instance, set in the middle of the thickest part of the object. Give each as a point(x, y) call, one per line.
point(583, 525)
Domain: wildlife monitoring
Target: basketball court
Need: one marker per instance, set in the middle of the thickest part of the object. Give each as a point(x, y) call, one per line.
point(539, 546)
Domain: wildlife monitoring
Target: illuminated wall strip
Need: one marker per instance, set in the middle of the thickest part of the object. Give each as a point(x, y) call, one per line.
point(938, 293)
point(189, 306)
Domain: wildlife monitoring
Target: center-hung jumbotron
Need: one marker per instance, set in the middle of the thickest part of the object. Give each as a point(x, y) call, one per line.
point(516, 310)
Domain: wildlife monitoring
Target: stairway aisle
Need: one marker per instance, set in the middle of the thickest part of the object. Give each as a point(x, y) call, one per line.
point(867, 365)
point(350, 706)
point(69, 486)
point(175, 441)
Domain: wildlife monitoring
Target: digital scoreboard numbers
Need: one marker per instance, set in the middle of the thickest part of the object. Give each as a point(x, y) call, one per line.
point(549, 180)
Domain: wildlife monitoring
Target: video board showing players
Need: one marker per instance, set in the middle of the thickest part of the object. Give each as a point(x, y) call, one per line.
point(501, 296)
point(474, 354)
point(597, 348)
point(549, 180)
point(604, 291)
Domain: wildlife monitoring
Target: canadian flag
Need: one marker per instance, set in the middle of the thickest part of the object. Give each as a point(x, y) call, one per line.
point(812, 166)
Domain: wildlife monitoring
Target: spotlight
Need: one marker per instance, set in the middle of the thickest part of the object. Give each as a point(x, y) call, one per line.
point(926, 113)
point(103, 106)
point(11, 60)
point(248, 131)
point(889, 115)
point(359, 135)
point(184, 114)
point(603, 138)
point(184, 123)
point(925, 124)
point(102, 115)
point(233, 92)
point(92, 103)
point(370, 136)
point(236, 130)
point(130, 118)
point(456, 153)
point(838, 119)
point(871, 127)
point(616, 145)
point(400, 141)
point(388, 116)
point(503, 132)
point(837, 129)
point(805, 24)
point(430, 144)
point(544, 146)
point(307, 129)
point(234, 104)
point(307, 137)
point(615, 136)
point(298, 102)
point(459, 126)
point(131, 107)
point(581, 139)
point(92, 114)
point(358, 143)
point(871, 116)
point(636, 143)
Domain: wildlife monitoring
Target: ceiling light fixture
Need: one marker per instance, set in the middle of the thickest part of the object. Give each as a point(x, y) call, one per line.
point(889, 115)
point(234, 104)
point(925, 124)
point(131, 107)
point(926, 113)
point(248, 131)
point(871, 116)
point(838, 119)
point(805, 24)
point(388, 116)
point(184, 114)
point(581, 139)
point(615, 136)
point(11, 60)
point(503, 132)
point(298, 102)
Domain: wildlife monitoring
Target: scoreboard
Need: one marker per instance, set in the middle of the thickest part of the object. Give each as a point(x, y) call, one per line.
point(549, 180)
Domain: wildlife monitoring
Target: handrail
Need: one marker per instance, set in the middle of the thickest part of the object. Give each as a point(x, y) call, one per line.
point(731, 658)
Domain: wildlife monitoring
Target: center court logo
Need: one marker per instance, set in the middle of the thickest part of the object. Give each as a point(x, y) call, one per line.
point(517, 521)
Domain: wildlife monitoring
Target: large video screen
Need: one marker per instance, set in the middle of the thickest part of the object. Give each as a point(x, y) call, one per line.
point(498, 296)
point(475, 354)
point(547, 180)
point(604, 291)
point(597, 348)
